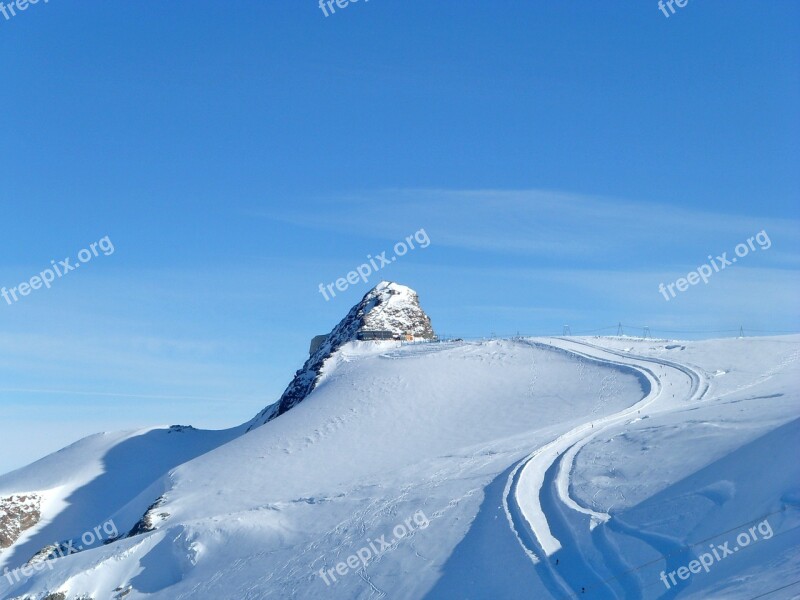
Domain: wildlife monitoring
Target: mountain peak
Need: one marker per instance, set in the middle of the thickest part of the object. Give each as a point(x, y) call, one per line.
point(393, 308)
point(387, 311)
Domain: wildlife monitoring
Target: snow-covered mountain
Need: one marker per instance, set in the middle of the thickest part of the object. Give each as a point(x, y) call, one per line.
point(524, 468)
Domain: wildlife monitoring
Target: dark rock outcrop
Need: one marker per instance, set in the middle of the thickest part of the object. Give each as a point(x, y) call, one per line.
point(150, 519)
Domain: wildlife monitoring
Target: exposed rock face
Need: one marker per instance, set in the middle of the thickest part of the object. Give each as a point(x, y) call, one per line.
point(17, 513)
point(47, 553)
point(151, 518)
point(387, 307)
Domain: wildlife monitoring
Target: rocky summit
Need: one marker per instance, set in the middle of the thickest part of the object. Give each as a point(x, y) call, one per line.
point(389, 310)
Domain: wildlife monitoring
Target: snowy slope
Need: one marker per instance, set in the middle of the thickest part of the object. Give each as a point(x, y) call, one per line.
point(610, 501)
point(526, 468)
point(105, 475)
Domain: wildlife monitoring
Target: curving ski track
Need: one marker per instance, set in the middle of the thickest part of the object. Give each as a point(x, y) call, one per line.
point(537, 501)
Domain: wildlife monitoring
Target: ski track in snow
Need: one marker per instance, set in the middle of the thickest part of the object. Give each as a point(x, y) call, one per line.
point(537, 497)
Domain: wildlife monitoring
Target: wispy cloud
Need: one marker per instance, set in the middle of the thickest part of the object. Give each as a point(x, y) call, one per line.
point(551, 224)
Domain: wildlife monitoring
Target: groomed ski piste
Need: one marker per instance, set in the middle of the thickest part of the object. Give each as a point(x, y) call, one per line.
point(603, 467)
point(546, 473)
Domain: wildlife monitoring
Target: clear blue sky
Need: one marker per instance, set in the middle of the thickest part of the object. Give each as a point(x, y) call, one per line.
point(564, 159)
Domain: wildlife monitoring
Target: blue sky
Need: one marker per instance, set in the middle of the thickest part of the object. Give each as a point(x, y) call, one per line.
point(563, 158)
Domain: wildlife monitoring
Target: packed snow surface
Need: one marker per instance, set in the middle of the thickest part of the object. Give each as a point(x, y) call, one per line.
point(525, 468)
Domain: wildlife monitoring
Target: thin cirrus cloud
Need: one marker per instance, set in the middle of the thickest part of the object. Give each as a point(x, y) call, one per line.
point(550, 224)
